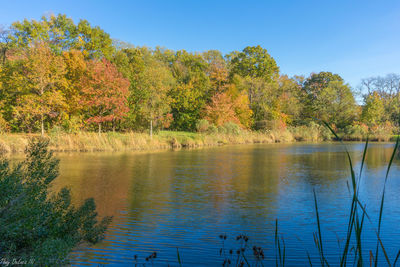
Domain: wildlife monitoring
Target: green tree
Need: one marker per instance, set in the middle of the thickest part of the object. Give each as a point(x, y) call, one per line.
point(153, 101)
point(62, 34)
point(336, 104)
point(255, 62)
point(187, 104)
point(314, 84)
point(388, 88)
point(373, 111)
point(262, 96)
point(192, 92)
point(312, 87)
point(289, 98)
point(36, 226)
point(150, 82)
point(11, 82)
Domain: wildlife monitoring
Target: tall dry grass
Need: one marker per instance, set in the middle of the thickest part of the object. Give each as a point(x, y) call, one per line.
point(110, 141)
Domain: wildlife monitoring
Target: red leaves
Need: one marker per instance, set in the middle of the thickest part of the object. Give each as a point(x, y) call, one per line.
point(104, 92)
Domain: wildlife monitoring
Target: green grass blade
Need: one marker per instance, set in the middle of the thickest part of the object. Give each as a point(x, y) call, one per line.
point(276, 242)
point(383, 199)
point(397, 257)
point(321, 248)
point(309, 259)
point(379, 228)
point(363, 160)
point(284, 252)
point(384, 252)
point(245, 259)
point(179, 257)
point(392, 157)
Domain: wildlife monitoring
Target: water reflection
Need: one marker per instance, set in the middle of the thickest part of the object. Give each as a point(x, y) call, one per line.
point(186, 198)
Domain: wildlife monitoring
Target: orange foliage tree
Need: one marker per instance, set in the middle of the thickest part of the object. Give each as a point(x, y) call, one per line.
point(104, 93)
point(221, 110)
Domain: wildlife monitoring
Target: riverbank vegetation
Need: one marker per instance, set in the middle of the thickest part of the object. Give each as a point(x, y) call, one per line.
point(59, 76)
point(60, 141)
point(39, 228)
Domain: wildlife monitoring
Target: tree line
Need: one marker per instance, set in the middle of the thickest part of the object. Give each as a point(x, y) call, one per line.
point(56, 73)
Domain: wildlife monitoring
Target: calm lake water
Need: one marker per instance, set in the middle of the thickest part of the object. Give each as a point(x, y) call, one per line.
point(185, 199)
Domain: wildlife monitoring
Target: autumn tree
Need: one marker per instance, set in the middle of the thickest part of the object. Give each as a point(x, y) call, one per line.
point(104, 93)
point(43, 80)
point(76, 67)
point(221, 110)
point(217, 71)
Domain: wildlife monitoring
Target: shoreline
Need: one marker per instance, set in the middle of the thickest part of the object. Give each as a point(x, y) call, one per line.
point(163, 140)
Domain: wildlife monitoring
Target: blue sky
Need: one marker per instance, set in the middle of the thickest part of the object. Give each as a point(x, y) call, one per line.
point(355, 39)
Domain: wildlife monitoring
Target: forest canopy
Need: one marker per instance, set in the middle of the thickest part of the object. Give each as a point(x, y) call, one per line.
point(55, 73)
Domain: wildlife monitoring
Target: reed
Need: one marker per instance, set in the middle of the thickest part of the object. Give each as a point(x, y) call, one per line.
point(116, 141)
point(113, 141)
point(356, 217)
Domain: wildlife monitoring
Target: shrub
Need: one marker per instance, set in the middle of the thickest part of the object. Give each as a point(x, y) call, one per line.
point(221, 130)
point(212, 129)
point(38, 227)
point(202, 126)
point(356, 132)
point(383, 132)
point(232, 128)
point(311, 132)
point(270, 125)
point(72, 124)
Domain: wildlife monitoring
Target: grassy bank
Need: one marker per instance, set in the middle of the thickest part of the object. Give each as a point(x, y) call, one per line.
point(114, 141)
point(90, 142)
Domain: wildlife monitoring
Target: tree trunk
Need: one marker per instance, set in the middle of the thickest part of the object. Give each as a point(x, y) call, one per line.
point(151, 129)
point(99, 127)
point(42, 124)
point(113, 126)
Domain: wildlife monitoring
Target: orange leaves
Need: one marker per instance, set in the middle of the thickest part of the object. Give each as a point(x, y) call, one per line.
point(104, 92)
point(221, 110)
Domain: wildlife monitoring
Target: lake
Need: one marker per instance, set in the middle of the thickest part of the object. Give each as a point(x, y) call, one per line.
point(185, 199)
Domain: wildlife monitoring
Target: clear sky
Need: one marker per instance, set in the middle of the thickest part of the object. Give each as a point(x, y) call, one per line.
point(355, 39)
